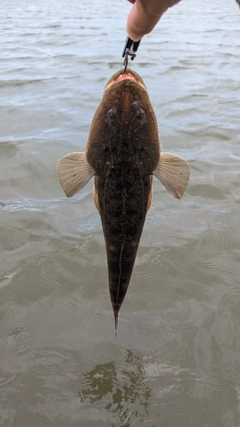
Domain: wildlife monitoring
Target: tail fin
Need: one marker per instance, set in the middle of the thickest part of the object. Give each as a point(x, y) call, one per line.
point(116, 317)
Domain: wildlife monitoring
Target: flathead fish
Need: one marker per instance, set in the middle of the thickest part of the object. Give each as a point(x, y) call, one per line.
point(123, 154)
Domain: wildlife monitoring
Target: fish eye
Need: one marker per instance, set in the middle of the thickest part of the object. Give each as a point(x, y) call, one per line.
point(112, 113)
point(139, 113)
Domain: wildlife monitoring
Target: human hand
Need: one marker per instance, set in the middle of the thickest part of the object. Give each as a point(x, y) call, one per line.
point(144, 15)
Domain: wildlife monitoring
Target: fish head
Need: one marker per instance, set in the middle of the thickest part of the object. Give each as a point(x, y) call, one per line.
point(120, 76)
point(127, 94)
point(124, 123)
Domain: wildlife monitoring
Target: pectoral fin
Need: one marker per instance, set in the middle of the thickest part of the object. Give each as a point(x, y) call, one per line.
point(73, 172)
point(174, 173)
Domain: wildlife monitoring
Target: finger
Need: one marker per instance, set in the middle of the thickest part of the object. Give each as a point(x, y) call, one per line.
point(144, 15)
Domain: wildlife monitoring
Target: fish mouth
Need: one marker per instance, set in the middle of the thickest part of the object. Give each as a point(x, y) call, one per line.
point(120, 76)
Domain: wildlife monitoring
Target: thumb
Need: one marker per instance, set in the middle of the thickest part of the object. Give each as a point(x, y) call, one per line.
point(144, 15)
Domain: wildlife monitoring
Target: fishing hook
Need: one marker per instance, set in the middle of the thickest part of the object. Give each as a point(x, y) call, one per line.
point(130, 49)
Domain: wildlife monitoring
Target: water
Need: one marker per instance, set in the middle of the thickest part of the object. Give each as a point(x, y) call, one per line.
point(176, 361)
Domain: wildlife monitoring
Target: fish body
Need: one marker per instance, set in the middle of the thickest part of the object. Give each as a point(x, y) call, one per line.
point(123, 154)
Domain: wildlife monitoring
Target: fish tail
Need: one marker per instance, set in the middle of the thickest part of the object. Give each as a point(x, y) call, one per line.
point(116, 317)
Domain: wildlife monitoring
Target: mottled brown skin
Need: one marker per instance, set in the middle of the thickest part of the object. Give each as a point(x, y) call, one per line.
point(123, 149)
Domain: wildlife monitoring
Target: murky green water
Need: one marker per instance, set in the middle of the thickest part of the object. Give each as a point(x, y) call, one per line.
point(176, 361)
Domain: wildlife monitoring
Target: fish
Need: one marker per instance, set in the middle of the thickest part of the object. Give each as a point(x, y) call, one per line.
point(123, 154)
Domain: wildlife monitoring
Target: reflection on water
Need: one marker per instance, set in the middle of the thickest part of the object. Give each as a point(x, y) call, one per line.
point(123, 392)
